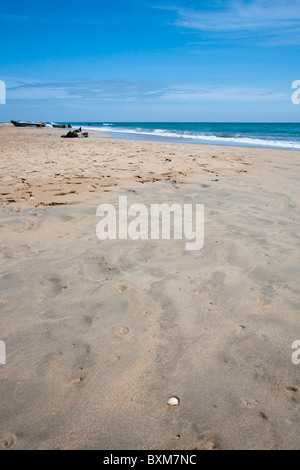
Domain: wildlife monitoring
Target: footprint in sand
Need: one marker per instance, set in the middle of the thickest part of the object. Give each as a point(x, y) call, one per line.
point(87, 320)
point(9, 442)
point(26, 226)
point(292, 389)
point(263, 416)
point(248, 405)
point(54, 286)
point(292, 393)
point(208, 445)
point(48, 315)
point(76, 381)
point(96, 270)
point(66, 218)
point(116, 358)
point(65, 194)
point(121, 331)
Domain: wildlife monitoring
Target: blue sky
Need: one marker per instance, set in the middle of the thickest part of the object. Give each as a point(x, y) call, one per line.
point(150, 60)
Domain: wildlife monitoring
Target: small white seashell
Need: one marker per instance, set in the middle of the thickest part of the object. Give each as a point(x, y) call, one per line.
point(173, 401)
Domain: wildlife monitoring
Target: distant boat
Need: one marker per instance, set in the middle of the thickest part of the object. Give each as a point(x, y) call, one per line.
point(28, 124)
point(60, 126)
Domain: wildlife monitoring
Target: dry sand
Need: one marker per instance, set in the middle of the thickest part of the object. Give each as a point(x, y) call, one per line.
point(100, 334)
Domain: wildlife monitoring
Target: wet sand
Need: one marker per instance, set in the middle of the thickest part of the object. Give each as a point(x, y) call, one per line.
point(100, 334)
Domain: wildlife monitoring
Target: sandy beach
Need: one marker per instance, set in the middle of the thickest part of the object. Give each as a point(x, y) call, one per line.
point(99, 334)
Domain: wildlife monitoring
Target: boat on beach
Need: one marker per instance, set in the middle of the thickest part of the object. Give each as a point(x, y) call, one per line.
point(28, 124)
point(61, 126)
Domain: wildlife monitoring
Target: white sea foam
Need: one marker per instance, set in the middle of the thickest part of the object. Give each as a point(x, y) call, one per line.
point(235, 140)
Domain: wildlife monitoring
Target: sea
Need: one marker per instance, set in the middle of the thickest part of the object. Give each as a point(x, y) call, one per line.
point(262, 135)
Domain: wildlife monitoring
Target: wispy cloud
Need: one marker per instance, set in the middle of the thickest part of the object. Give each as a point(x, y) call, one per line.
point(104, 90)
point(189, 93)
point(117, 90)
point(56, 20)
point(13, 17)
point(270, 18)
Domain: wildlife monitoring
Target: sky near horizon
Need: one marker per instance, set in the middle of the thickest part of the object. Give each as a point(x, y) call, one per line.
point(150, 60)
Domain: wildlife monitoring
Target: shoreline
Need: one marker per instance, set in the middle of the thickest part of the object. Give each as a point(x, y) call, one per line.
point(186, 141)
point(144, 135)
point(40, 168)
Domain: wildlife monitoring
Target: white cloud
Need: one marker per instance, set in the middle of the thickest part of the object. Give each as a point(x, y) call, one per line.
point(197, 94)
point(104, 90)
point(116, 90)
point(239, 15)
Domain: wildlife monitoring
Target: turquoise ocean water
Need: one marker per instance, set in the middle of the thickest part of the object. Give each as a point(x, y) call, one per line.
point(268, 135)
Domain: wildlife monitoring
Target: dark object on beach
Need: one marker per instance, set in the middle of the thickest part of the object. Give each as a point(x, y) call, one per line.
point(76, 133)
point(70, 135)
point(28, 124)
point(61, 126)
